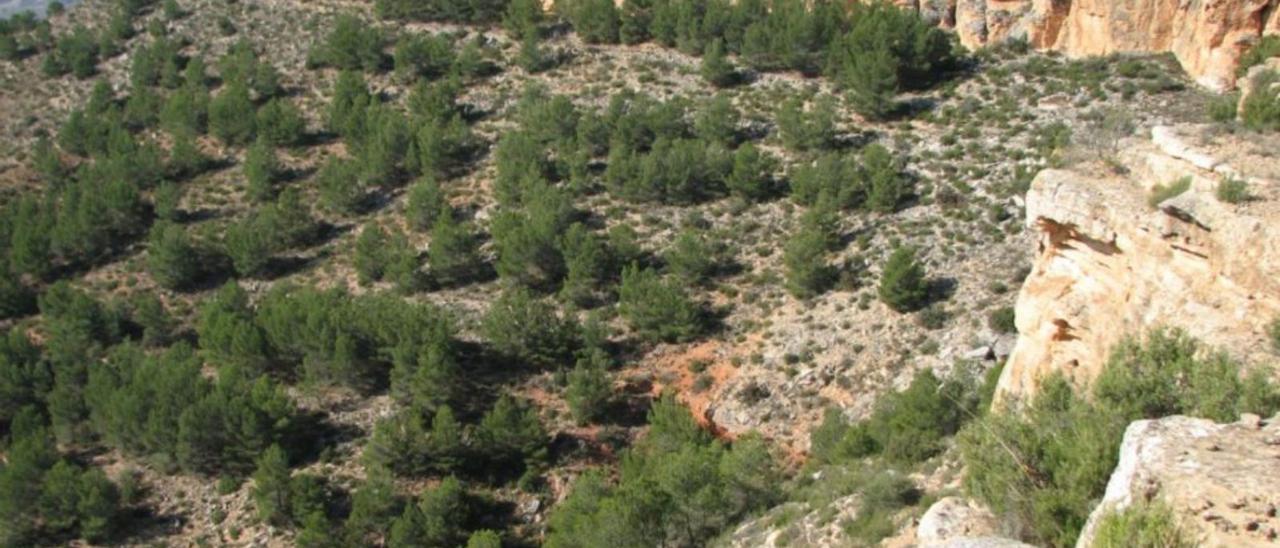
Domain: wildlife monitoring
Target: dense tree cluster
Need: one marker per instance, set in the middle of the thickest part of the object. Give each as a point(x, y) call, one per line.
point(45, 497)
point(906, 427)
point(467, 11)
point(871, 50)
point(679, 487)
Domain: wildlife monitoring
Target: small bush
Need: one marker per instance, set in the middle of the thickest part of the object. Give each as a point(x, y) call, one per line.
point(1261, 110)
point(1143, 526)
point(1002, 320)
point(1273, 333)
point(1160, 193)
point(1232, 190)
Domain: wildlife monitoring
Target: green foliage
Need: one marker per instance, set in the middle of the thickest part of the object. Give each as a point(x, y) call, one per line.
point(1232, 190)
point(807, 129)
point(1273, 334)
point(717, 121)
point(1001, 320)
point(528, 241)
point(906, 427)
point(833, 178)
point(751, 177)
point(465, 11)
point(596, 21)
point(1266, 48)
point(437, 519)
point(185, 158)
point(805, 257)
point(171, 259)
point(186, 111)
point(341, 188)
point(423, 56)
point(658, 310)
point(271, 487)
point(588, 265)
point(352, 44)
point(902, 281)
point(1261, 110)
point(347, 108)
point(588, 390)
point(1160, 193)
point(716, 69)
point(885, 184)
point(484, 538)
point(453, 257)
point(886, 49)
point(692, 257)
point(426, 204)
point(280, 123)
point(1045, 464)
point(523, 18)
point(510, 436)
point(75, 52)
point(1143, 525)
point(260, 171)
point(232, 115)
point(678, 487)
point(529, 330)
point(1222, 109)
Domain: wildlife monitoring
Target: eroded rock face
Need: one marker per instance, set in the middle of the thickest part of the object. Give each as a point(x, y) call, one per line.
point(1220, 480)
point(1111, 265)
point(1207, 36)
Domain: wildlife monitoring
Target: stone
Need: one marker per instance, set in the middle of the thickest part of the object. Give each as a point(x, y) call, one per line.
point(1221, 495)
point(955, 517)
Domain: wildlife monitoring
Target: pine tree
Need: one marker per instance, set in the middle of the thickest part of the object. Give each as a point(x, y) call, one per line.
point(250, 244)
point(805, 258)
point(716, 68)
point(529, 330)
point(453, 256)
point(588, 391)
point(658, 310)
point(510, 434)
point(98, 507)
point(872, 81)
point(271, 486)
point(171, 259)
point(691, 257)
point(717, 121)
point(425, 204)
point(231, 115)
point(596, 21)
point(587, 264)
point(751, 175)
point(373, 508)
point(280, 123)
point(885, 184)
point(371, 253)
point(260, 171)
point(185, 158)
point(484, 538)
point(902, 282)
point(522, 18)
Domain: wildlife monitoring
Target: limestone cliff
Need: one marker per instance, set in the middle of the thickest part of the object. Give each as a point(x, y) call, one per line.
point(1111, 264)
point(1207, 36)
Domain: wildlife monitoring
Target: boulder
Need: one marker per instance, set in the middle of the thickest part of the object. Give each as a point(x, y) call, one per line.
point(1220, 480)
point(954, 518)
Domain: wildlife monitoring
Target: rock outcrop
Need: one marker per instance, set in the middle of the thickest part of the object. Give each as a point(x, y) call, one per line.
point(1110, 264)
point(954, 518)
point(1207, 36)
point(1220, 480)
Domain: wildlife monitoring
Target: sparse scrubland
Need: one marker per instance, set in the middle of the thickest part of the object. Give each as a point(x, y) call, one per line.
point(442, 273)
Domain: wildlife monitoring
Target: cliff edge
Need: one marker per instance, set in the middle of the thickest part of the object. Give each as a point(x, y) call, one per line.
point(1114, 260)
